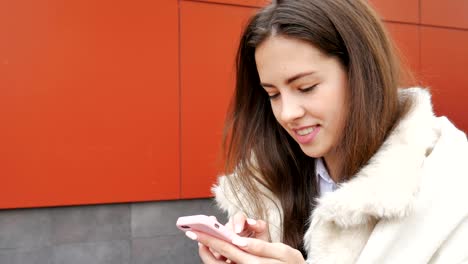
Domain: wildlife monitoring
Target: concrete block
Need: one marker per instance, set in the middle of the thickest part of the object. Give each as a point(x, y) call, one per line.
point(175, 249)
point(25, 228)
point(90, 223)
point(26, 256)
point(112, 252)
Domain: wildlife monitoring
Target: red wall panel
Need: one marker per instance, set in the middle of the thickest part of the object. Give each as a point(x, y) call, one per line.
point(398, 10)
point(450, 13)
point(253, 3)
point(89, 91)
point(88, 102)
point(444, 60)
point(406, 38)
point(209, 37)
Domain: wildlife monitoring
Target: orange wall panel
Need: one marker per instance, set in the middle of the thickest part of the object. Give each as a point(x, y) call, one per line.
point(406, 38)
point(449, 13)
point(89, 91)
point(253, 3)
point(88, 102)
point(209, 37)
point(398, 10)
point(444, 60)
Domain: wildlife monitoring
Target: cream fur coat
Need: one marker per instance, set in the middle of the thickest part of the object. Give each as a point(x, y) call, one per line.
point(408, 205)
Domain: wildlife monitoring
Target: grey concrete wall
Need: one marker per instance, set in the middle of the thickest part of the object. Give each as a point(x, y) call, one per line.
point(138, 233)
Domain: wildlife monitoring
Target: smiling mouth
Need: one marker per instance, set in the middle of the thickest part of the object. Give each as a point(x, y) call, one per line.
point(306, 135)
point(306, 131)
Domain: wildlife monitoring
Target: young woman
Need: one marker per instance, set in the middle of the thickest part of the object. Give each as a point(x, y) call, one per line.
point(327, 156)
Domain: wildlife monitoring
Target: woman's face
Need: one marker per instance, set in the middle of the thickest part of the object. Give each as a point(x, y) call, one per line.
point(308, 92)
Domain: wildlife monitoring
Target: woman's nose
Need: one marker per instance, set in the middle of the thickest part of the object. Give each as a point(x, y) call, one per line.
point(292, 109)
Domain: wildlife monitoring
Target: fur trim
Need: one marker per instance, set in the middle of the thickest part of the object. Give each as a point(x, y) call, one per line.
point(394, 169)
point(386, 188)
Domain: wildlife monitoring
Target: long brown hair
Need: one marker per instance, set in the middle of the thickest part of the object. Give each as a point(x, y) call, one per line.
point(259, 152)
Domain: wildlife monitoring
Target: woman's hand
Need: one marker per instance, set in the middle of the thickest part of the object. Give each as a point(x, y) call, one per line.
point(246, 251)
point(246, 227)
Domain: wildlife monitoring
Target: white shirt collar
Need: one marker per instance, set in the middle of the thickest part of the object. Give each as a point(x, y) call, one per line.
point(325, 182)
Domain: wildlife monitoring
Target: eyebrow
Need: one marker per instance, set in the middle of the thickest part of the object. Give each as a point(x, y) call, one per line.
point(290, 79)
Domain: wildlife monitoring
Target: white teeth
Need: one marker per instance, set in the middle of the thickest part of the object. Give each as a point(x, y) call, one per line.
point(305, 131)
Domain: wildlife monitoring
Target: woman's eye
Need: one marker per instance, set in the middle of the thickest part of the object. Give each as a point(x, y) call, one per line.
point(307, 89)
point(273, 96)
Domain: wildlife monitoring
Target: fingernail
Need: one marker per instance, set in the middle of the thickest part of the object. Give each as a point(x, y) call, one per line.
point(239, 241)
point(251, 221)
point(191, 235)
point(238, 229)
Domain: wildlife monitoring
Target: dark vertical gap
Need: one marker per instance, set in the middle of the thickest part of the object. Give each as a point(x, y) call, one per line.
point(419, 12)
point(179, 42)
point(130, 239)
point(420, 43)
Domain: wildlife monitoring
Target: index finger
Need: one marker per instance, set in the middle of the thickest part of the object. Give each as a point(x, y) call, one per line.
point(238, 222)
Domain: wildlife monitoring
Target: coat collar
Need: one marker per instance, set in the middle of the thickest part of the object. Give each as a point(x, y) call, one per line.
point(386, 187)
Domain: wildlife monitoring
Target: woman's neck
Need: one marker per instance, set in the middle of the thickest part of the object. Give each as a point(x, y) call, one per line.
point(331, 162)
